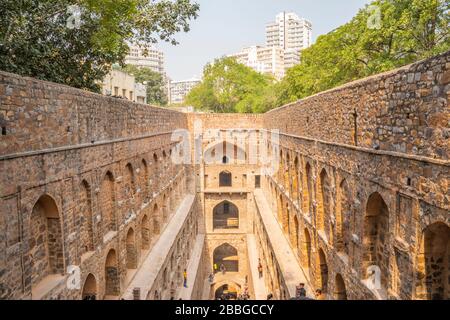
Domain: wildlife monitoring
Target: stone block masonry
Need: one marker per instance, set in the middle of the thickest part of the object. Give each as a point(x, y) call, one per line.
point(86, 182)
point(88, 188)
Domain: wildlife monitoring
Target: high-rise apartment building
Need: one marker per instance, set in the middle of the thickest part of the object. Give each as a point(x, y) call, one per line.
point(267, 60)
point(178, 90)
point(291, 33)
point(146, 57)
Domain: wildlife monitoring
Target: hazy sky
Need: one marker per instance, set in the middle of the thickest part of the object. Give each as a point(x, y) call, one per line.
point(226, 26)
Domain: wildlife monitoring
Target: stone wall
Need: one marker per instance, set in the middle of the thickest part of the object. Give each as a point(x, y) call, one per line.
point(86, 182)
point(37, 115)
point(405, 110)
point(375, 206)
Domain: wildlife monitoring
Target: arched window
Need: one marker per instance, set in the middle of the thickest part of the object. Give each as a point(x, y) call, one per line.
point(226, 216)
point(226, 258)
point(225, 179)
point(376, 233)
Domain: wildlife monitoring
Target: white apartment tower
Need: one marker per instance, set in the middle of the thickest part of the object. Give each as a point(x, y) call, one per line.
point(268, 60)
point(291, 33)
point(146, 57)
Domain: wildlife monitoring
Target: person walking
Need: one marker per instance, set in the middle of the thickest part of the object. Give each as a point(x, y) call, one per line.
point(216, 267)
point(260, 269)
point(185, 278)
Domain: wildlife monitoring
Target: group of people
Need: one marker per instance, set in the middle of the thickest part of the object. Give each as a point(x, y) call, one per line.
point(300, 293)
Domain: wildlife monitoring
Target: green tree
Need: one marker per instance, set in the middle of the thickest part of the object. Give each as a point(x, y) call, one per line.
point(229, 86)
point(42, 39)
point(154, 81)
point(408, 31)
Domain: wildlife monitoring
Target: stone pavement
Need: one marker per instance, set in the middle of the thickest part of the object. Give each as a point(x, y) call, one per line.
point(147, 274)
point(291, 271)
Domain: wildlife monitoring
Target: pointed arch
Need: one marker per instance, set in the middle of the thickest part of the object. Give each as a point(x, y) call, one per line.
point(226, 255)
point(340, 292)
point(323, 272)
point(86, 225)
point(112, 280)
point(433, 263)
point(131, 254)
point(376, 233)
point(107, 203)
point(307, 189)
point(343, 213)
point(89, 291)
point(46, 245)
point(145, 233)
point(226, 216)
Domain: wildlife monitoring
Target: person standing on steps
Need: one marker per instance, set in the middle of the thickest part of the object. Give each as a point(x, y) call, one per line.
point(222, 268)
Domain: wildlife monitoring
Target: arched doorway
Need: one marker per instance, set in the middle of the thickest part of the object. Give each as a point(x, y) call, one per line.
point(112, 281)
point(46, 245)
point(343, 231)
point(144, 182)
point(307, 250)
point(340, 292)
point(227, 292)
point(323, 272)
point(433, 278)
point(107, 199)
point(226, 255)
point(376, 233)
point(226, 216)
point(86, 231)
point(296, 235)
point(323, 196)
point(145, 233)
point(89, 291)
point(131, 250)
point(156, 226)
point(307, 189)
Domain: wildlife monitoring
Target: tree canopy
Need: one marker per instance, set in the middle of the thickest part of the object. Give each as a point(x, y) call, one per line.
point(229, 86)
point(382, 36)
point(154, 82)
point(407, 31)
point(75, 42)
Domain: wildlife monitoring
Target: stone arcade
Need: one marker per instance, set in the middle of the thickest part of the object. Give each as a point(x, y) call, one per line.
point(359, 205)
